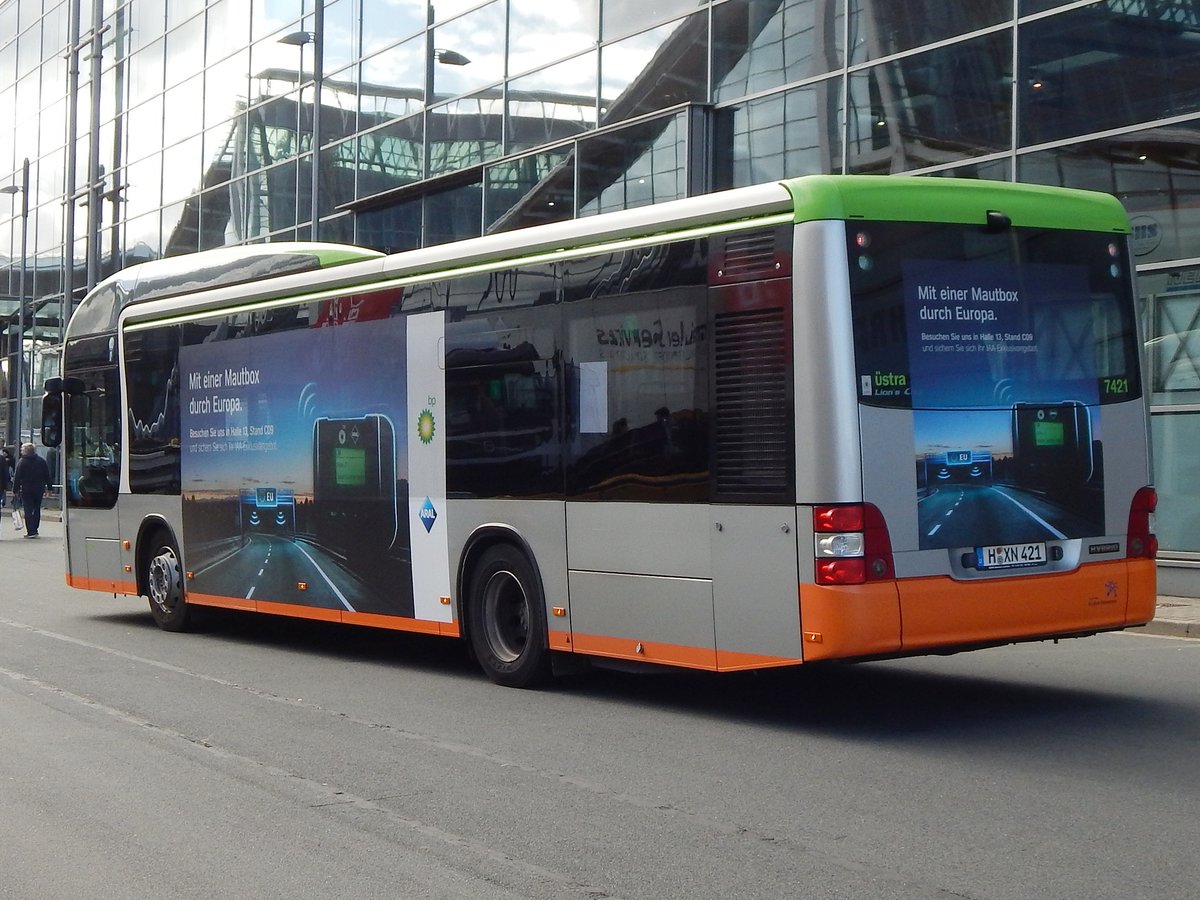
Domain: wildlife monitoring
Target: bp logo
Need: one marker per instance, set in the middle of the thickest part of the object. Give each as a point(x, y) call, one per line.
point(428, 515)
point(425, 427)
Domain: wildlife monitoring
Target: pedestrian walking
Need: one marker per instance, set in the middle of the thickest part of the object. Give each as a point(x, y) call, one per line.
point(31, 477)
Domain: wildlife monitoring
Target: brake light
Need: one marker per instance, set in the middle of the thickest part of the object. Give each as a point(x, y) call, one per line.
point(851, 544)
point(1140, 542)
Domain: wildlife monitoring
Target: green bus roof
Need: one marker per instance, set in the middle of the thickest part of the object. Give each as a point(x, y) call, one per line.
point(899, 198)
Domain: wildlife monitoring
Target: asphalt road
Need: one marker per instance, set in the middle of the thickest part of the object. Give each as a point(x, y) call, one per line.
point(269, 758)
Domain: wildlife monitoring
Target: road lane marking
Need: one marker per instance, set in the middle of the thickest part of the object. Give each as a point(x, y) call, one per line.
point(333, 587)
point(1054, 531)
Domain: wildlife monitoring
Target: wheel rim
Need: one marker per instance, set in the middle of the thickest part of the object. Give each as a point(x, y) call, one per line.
point(506, 616)
point(163, 580)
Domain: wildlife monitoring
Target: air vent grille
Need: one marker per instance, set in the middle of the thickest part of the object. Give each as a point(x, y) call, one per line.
point(749, 255)
point(752, 409)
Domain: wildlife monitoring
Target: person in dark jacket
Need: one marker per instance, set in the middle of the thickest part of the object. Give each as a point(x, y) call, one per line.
point(31, 477)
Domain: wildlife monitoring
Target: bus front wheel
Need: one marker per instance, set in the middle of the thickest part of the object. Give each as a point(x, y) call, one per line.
point(506, 618)
point(164, 585)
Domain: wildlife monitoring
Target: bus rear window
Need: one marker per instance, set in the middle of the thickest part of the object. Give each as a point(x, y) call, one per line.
point(956, 317)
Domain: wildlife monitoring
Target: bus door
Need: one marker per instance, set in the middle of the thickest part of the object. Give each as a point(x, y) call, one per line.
point(91, 451)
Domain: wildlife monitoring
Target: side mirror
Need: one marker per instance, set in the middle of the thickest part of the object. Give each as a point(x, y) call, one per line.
point(52, 417)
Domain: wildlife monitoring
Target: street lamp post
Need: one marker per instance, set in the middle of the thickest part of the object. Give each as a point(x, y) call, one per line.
point(299, 39)
point(23, 190)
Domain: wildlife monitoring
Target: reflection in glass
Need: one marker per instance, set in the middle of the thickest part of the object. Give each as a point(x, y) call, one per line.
point(390, 229)
point(620, 17)
point(781, 136)
point(393, 82)
point(633, 166)
point(547, 32)
point(531, 190)
point(936, 107)
point(469, 52)
point(654, 70)
point(553, 104)
point(465, 132)
point(1155, 173)
point(454, 215)
point(391, 156)
point(1174, 437)
point(384, 21)
point(758, 46)
point(880, 28)
point(1107, 65)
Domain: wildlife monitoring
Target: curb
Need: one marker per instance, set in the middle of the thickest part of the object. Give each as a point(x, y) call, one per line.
point(1168, 628)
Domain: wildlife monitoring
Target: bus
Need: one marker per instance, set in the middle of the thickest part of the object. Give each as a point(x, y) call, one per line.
point(828, 418)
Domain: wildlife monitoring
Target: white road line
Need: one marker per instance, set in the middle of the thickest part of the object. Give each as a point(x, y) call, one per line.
point(332, 586)
point(250, 593)
point(1054, 531)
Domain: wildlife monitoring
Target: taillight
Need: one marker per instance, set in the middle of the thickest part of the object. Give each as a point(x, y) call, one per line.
point(851, 544)
point(1140, 542)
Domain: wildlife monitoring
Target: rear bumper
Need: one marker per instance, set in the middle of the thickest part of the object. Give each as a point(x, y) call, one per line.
point(921, 615)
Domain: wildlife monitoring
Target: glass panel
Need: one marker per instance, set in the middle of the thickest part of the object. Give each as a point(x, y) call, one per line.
point(883, 27)
point(468, 52)
point(635, 166)
point(448, 9)
point(753, 51)
point(991, 170)
point(144, 125)
point(454, 215)
point(781, 136)
point(622, 17)
point(465, 133)
point(181, 169)
point(655, 70)
point(390, 229)
point(393, 82)
point(558, 102)
point(180, 107)
point(1107, 65)
point(226, 88)
point(384, 21)
point(1172, 300)
point(339, 102)
point(937, 107)
point(143, 186)
point(228, 29)
point(1153, 172)
point(391, 157)
point(185, 50)
point(532, 190)
point(145, 72)
point(545, 32)
point(1174, 437)
point(341, 37)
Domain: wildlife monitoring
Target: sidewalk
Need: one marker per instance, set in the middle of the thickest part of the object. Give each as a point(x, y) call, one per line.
point(1175, 616)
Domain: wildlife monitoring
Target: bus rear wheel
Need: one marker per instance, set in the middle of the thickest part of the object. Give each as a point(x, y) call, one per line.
point(506, 619)
point(164, 585)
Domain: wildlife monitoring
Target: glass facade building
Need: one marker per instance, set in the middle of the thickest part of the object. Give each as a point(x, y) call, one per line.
point(148, 128)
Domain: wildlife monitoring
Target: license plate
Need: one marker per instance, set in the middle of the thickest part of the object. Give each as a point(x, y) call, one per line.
point(1010, 556)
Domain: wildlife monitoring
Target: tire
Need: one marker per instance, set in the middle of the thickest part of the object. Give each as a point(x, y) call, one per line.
point(506, 619)
point(164, 585)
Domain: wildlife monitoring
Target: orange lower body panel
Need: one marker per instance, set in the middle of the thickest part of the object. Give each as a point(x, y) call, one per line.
point(920, 614)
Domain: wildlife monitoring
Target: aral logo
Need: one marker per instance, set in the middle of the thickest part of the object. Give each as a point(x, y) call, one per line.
point(428, 515)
